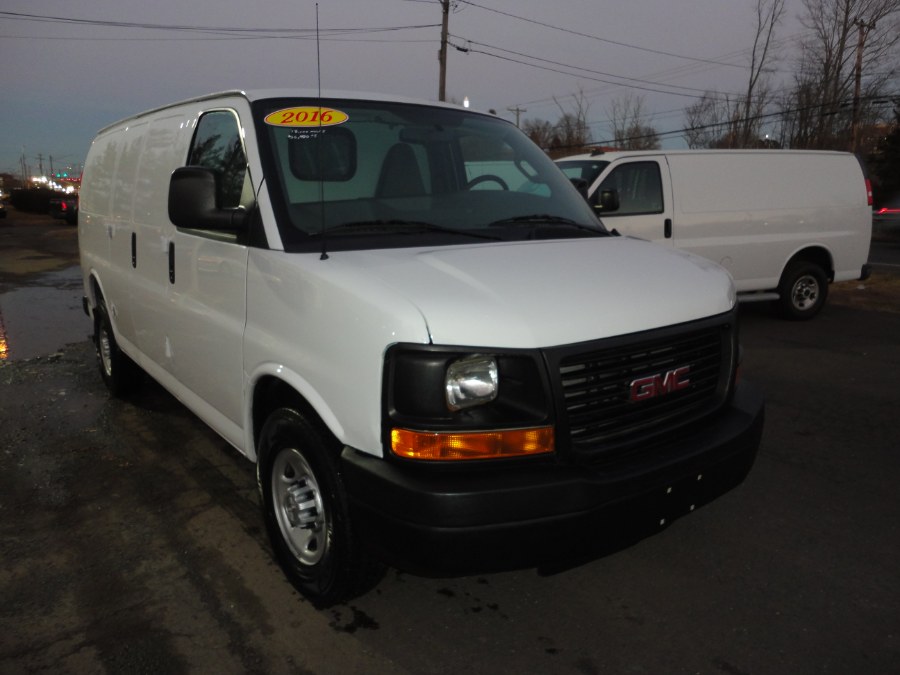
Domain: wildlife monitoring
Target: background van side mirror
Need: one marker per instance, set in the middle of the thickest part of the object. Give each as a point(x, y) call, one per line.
point(192, 202)
point(607, 201)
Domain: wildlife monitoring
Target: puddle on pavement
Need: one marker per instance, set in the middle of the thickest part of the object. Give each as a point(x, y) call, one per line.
point(43, 317)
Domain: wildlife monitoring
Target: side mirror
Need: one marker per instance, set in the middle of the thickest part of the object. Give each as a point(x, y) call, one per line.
point(192, 202)
point(608, 201)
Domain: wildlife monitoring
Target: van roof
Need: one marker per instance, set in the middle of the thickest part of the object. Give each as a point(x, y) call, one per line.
point(617, 154)
point(259, 94)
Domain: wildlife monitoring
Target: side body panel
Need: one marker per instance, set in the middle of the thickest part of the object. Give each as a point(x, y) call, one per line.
point(753, 211)
point(165, 148)
point(646, 208)
point(121, 230)
point(206, 305)
point(177, 298)
point(94, 221)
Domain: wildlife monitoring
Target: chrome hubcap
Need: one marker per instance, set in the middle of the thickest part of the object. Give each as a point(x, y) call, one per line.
point(298, 507)
point(806, 292)
point(104, 349)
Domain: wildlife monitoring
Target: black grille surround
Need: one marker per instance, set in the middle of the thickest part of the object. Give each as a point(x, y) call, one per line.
point(597, 418)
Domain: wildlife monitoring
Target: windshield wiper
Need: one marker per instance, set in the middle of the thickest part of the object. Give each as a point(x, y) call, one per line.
point(398, 226)
point(537, 219)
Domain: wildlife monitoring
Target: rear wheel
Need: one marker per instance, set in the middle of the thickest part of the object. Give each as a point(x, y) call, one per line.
point(803, 290)
point(119, 373)
point(306, 511)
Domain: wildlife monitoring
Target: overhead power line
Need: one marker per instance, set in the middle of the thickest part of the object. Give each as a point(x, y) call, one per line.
point(618, 81)
point(600, 39)
point(220, 30)
point(582, 74)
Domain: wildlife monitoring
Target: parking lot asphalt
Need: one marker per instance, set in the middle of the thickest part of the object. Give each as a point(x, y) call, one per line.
point(131, 539)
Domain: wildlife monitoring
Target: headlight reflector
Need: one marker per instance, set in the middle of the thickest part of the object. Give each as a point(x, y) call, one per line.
point(471, 381)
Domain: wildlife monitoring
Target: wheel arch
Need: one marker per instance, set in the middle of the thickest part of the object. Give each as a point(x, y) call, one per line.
point(94, 292)
point(272, 390)
point(817, 254)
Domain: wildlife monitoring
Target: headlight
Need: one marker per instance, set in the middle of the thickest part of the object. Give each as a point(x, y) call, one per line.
point(444, 402)
point(471, 381)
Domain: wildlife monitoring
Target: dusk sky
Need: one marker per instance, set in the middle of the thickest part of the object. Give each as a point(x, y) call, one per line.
point(72, 68)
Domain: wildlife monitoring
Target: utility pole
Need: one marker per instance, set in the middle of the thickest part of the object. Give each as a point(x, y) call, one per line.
point(442, 54)
point(864, 29)
point(518, 111)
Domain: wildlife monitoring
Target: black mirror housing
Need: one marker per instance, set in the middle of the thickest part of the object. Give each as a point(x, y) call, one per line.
point(608, 201)
point(192, 202)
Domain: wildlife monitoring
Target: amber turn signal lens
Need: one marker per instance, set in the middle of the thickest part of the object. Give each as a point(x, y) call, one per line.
point(472, 445)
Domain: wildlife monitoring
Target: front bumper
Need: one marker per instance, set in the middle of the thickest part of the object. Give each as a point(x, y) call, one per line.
point(465, 520)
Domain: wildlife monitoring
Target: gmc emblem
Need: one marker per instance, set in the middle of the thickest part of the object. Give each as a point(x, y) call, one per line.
point(645, 388)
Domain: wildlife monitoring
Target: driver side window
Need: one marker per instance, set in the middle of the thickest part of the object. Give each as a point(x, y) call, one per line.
point(217, 146)
point(639, 186)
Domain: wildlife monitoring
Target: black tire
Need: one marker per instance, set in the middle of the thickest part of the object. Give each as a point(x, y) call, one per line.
point(803, 290)
point(306, 511)
point(119, 373)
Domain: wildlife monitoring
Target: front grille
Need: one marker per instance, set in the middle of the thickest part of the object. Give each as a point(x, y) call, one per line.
point(597, 381)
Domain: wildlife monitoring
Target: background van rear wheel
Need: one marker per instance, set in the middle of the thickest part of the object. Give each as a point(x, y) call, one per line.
point(119, 373)
point(803, 290)
point(306, 511)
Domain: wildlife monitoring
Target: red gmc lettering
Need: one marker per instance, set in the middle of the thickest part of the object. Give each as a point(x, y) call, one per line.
point(652, 386)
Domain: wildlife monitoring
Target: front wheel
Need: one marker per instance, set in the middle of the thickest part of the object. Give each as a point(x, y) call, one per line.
point(803, 290)
point(306, 512)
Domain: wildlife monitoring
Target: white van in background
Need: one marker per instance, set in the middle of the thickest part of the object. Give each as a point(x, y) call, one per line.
point(784, 223)
point(415, 326)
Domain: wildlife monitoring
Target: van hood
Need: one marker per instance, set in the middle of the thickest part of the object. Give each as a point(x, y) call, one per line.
point(544, 293)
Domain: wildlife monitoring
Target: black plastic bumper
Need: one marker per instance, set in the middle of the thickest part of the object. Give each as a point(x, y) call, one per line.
point(449, 520)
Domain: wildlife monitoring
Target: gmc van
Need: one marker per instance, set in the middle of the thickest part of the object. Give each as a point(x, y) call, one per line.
point(431, 365)
point(784, 223)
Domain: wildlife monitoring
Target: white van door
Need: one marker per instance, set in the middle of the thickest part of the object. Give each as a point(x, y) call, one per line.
point(644, 193)
point(146, 246)
point(207, 286)
point(123, 239)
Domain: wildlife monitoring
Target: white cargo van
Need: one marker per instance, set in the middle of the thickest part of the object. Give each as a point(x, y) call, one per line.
point(432, 364)
point(784, 223)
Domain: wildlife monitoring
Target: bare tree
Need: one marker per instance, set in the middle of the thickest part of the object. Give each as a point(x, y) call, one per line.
point(845, 62)
point(572, 131)
point(707, 121)
point(539, 131)
point(768, 15)
point(720, 121)
point(626, 115)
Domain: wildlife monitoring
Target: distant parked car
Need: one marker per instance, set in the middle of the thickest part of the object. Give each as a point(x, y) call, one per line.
point(65, 208)
point(2, 210)
point(887, 213)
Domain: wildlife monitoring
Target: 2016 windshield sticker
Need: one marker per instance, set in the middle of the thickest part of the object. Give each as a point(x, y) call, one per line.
point(307, 116)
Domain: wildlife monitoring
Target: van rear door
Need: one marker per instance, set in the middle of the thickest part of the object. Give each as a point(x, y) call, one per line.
point(644, 192)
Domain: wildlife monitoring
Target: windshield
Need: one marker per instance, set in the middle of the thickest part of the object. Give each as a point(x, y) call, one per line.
point(582, 169)
point(366, 174)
